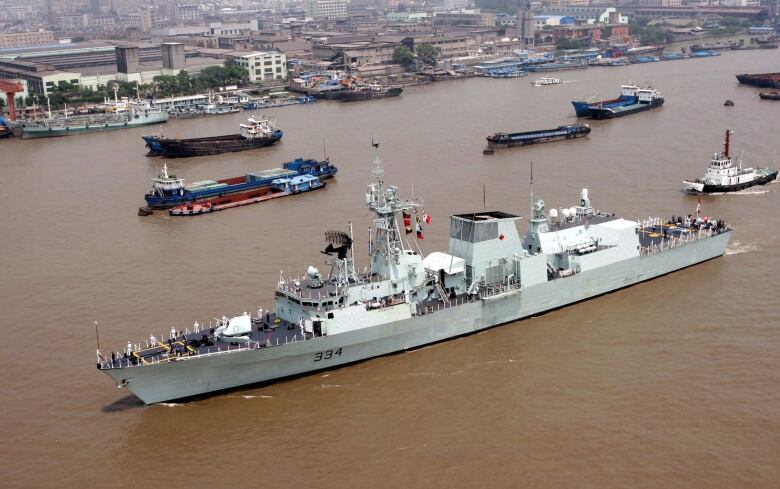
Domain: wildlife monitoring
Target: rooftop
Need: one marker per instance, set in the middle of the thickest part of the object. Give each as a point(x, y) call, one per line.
point(486, 216)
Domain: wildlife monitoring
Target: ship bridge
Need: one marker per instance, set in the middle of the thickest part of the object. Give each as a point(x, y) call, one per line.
point(484, 240)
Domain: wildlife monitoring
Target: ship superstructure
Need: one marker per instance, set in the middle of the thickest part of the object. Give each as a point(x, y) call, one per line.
point(491, 274)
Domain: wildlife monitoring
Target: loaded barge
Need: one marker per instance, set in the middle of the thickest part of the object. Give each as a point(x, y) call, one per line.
point(627, 97)
point(502, 140)
point(256, 133)
point(763, 80)
point(168, 190)
point(646, 99)
point(280, 187)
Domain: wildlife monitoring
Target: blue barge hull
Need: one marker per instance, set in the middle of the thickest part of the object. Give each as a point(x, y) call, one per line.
point(159, 199)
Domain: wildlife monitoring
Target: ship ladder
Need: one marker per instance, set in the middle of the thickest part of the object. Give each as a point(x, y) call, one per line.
point(442, 293)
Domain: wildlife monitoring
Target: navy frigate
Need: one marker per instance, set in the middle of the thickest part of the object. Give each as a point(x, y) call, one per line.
point(490, 275)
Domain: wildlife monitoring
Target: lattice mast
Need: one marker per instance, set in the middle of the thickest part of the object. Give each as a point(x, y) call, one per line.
point(387, 243)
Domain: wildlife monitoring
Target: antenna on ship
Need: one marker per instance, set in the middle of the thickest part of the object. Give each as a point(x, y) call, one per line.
point(726, 143)
point(532, 184)
point(324, 153)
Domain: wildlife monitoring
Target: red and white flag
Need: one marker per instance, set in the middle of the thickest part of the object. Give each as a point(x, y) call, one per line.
point(698, 208)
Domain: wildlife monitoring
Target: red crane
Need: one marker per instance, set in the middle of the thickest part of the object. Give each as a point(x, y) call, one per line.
point(11, 88)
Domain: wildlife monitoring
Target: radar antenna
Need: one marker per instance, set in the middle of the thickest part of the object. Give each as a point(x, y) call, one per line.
point(339, 242)
point(342, 271)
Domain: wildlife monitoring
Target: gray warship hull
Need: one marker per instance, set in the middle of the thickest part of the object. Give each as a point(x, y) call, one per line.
point(402, 327)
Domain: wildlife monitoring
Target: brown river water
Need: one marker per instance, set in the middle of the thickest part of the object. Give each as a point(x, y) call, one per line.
point(672, 383)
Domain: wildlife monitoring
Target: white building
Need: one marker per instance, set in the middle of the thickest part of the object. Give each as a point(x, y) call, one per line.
point(264, 65)
point(328, 9)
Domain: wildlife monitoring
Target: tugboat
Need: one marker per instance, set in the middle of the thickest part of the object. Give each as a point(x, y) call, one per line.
point(256, 133)
point(169, 190)
point(546, 80)
point(370, 92)
point(503, 140)
point(723, 176)
point(646, 99)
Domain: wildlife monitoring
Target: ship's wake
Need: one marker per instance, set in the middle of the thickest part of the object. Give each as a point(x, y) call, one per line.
point(736, 248)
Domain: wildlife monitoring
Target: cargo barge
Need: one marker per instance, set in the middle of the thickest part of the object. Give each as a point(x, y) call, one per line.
point(556, 67)
point(280, 187)
point(169, 190)
point(256, 133)
point(627, 97)
point(504, 140)
point(369, 92)
point(763, 80)
point(646, 99)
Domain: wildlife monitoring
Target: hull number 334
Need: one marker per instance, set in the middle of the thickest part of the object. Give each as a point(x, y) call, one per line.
point(327, 354)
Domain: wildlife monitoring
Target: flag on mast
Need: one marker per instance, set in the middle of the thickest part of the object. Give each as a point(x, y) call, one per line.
point(426, 217)
point(698, 208)
point(420, 232)
point(407, 221)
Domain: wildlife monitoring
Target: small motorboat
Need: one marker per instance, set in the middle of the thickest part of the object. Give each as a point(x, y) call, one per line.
point(546, 80)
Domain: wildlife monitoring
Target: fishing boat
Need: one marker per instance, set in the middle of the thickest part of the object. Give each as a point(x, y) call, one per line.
point(511, 140)
point(168, 190)
point(279, 187)
point(725, 176)
point(255, 133)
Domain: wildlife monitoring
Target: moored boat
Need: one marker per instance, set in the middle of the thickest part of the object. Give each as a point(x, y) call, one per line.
point(169, 190)
point(724, 176)
point(369, 92)
point(556, 67)
point(5, 130)
point(510, 140)
point(139, 114)
point(255, 133)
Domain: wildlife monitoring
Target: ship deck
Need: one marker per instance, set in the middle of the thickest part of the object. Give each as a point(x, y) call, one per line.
point(267, 331)
point(656, 235)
